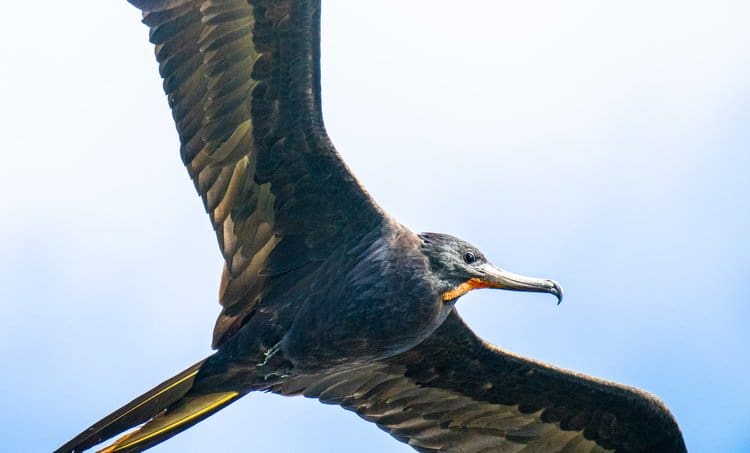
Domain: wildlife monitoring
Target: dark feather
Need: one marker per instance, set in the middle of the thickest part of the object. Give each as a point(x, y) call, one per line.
point(242, 78)
point(455, 392)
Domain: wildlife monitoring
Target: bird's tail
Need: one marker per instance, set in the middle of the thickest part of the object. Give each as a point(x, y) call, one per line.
point(166, 410)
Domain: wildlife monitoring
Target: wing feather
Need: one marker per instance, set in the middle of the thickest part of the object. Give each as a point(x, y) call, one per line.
point(242, 79)
point(456, 393)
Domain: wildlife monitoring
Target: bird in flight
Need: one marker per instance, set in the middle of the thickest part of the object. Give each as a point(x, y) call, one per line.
point(323, 294)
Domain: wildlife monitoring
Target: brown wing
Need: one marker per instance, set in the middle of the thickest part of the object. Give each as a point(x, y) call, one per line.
point(455, 392)
point(243, 81)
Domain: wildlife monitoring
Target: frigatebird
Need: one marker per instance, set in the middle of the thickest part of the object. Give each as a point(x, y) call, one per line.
point(323, 293)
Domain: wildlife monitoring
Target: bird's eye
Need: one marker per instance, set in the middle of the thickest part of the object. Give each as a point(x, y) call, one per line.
point(469, 257)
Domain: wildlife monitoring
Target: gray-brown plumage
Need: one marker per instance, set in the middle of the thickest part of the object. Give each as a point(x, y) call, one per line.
point(323, 293)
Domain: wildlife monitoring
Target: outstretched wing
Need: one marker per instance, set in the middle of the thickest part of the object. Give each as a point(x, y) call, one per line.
point(456, 393)
point(243, 81)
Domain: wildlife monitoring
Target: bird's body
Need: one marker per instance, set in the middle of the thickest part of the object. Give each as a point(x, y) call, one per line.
point(323, 293)
point(355, 307)
point(369, 309)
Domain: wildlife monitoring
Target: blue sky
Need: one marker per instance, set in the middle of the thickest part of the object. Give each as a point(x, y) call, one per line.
point(605, 145)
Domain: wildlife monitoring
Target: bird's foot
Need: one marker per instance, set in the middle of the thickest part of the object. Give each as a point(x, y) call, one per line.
point(272, 351)
point(273, 372)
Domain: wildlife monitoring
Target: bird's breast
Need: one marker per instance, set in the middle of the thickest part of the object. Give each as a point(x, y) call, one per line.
point(373, 305)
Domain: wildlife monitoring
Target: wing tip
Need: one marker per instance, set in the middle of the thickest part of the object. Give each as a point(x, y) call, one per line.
point(156, 5)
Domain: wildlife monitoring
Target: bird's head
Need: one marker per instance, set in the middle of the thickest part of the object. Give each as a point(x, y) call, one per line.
point(459, 267)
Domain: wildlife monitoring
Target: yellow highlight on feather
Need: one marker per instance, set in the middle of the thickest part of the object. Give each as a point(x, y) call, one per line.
point(162, 391)
point(132, 440)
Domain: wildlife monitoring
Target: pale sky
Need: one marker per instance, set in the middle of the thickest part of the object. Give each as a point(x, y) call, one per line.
point(602, 144)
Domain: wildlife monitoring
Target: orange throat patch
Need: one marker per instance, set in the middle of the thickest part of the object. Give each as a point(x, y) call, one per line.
point(465, 287)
